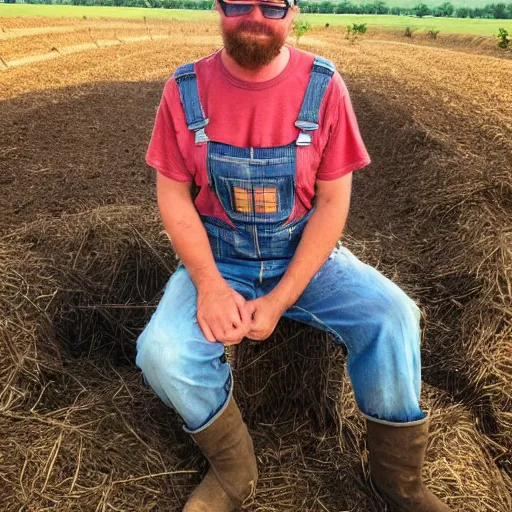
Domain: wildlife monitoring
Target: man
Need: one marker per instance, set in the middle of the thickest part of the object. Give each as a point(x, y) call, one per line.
point(269, 135)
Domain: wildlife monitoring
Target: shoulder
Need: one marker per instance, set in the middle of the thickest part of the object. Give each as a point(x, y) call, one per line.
point(205, 65)
point(309, 58)
point(305, 60)
point(338, 87)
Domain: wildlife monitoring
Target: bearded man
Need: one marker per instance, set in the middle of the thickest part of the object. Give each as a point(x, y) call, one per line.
point(268, 134)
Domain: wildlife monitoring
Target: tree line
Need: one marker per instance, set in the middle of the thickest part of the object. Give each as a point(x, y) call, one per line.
point(499, 11)
point(445, 10)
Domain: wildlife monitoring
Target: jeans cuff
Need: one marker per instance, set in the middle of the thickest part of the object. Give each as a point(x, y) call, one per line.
point(397, 423)
point(218, 413)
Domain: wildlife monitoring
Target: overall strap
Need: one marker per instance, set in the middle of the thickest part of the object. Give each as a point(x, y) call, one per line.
point(186, 79)
point(321, 74)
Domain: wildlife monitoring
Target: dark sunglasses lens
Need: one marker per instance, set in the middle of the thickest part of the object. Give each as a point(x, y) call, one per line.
point(273, 13)
point(236, 9)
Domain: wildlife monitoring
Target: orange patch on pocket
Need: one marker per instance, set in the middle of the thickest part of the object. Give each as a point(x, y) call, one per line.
point(265, 199)
point(243, 200)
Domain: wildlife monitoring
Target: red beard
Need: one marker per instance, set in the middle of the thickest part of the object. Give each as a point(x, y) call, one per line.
point(252, 53)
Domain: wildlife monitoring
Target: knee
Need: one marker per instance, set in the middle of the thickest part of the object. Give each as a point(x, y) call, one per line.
point(397, 316)
point(160, 357)
point(175, 360)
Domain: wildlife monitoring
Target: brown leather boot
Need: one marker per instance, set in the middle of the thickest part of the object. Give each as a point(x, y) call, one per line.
point(231, 479)
point(396, 458)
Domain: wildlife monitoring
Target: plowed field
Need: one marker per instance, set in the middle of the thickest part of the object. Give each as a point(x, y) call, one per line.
point(83, 259)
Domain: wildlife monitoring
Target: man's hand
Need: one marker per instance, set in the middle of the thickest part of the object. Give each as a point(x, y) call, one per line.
point(222, 313)
point(264, 313)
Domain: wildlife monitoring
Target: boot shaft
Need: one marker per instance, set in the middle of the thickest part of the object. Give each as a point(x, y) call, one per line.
point(397, 452)
point(227, 445)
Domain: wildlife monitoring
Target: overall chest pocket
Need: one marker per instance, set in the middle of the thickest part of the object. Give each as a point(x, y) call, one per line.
point(257, 200)
point(253, 190)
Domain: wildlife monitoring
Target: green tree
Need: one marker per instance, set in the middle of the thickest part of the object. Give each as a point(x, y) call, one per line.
point(446, 9)
point(499, 11)
point(462, 12)
point(421, 10)
point(378, 7)
point(326, 7)
point(305, 7)
point(344, 7)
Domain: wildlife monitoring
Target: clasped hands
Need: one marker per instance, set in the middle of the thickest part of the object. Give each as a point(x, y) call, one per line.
point(225, 316)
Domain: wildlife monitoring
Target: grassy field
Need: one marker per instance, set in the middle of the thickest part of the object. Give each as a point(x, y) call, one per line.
point(445, 25)
point(431, 3)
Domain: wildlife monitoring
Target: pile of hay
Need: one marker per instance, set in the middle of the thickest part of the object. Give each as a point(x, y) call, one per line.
point(444, 230)
point(80, 429)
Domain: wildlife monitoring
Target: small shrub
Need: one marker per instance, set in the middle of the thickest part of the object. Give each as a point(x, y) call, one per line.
point(432, 34)
point(359, 28)
point(300, 27)
point(354, 30)
point(503, 40)
point(409, 31)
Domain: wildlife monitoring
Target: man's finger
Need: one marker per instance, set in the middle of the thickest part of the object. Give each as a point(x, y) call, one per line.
point(220, 329)
point(241, 305)
point(236, 321)
point(250, 308)
point(208, 334)
point(243, 310)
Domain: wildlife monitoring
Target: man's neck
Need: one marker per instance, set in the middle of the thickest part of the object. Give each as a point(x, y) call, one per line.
point(263, 74)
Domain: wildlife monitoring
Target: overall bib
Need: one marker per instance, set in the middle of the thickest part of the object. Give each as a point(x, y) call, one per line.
point(256, 188)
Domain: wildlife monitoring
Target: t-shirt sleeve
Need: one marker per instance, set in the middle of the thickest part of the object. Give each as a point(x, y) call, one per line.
point(345, 151)
point(163, 151)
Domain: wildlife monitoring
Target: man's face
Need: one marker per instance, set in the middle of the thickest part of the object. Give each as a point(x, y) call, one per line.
point(252, 40)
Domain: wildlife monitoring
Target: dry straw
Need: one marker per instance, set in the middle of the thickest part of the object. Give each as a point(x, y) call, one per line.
point(79, 426)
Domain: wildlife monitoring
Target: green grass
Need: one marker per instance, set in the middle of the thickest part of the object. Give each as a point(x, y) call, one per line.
point(431, 3)
point(444, 25)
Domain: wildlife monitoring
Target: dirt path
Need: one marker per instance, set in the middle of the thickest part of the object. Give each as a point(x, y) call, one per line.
point(67, 50)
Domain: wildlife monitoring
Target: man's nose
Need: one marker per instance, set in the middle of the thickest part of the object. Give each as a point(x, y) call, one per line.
point(256, 14)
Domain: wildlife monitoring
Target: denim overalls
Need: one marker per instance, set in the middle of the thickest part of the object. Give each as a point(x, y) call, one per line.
point(376, 320)
point(255, 186)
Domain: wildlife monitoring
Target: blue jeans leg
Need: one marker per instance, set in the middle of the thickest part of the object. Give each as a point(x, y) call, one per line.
point(188, 372)
point(379, 325)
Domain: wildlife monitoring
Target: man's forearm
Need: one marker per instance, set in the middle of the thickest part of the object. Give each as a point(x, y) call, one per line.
point(319, 238)
point(188, 237)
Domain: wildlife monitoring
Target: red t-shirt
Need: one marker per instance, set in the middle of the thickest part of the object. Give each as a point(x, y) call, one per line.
point(259, 115)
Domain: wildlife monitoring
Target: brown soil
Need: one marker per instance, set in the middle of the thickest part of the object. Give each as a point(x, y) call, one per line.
point(84, 258)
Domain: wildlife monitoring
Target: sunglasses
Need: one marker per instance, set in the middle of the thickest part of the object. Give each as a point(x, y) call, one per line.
point(269, 11)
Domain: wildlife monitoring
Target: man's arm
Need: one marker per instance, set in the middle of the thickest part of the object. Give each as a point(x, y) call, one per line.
point(322, 232)
point(185, 229)
point(220, 310)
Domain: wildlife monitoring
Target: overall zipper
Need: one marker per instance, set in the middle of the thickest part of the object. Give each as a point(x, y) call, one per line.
point(256, 241)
